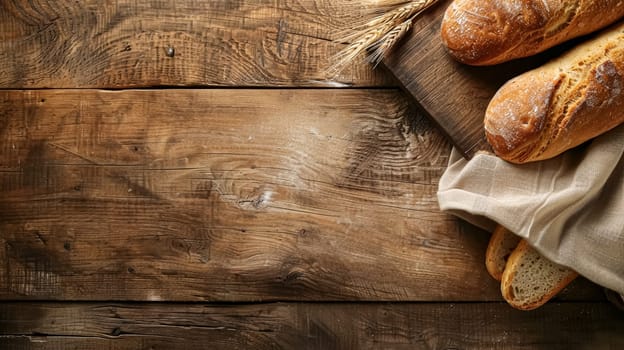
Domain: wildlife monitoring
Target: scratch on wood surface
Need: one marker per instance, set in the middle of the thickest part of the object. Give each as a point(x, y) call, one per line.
point(329, 83)
point(282, 25)
point(74, 153)
point(31, 279)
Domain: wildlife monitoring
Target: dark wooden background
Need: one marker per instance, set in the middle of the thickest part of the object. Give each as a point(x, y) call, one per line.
point(229, 194)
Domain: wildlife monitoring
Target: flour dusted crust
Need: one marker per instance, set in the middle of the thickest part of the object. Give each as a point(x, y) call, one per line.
point(543, 112)
point(486, 32)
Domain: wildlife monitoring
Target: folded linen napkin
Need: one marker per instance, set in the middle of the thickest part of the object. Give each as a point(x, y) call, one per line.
point(570, 208)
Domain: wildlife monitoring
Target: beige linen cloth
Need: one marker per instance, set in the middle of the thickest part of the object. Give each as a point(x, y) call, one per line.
point(570, 208)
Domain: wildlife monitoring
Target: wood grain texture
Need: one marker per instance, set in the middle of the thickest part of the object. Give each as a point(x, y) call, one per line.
point(123, 43)
point(455, 96)
point(309, 326)
point(228, 195)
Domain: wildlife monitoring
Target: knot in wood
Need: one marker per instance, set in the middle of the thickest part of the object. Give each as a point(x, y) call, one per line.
point(116, 332)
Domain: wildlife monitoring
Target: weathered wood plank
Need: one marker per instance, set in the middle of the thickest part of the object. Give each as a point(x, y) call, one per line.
point(228, 195)
point(123, 43)
point(310, 326)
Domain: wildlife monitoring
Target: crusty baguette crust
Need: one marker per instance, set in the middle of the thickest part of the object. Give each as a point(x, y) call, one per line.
point(548, 110)
point(486, 32)
point(518, 264)
point(501, 244)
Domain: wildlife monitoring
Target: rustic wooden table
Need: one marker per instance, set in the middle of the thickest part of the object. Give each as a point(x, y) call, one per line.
point(183, 175)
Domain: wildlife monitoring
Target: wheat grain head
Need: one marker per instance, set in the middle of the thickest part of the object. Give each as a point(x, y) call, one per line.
point(379, 34)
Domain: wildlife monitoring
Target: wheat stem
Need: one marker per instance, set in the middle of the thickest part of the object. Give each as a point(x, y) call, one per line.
point(379, 34)
point(402, 13)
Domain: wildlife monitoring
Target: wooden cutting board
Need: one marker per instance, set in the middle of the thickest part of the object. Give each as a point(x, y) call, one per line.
point(453, 95)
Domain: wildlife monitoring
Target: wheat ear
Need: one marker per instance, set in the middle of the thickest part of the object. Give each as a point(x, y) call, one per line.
point(380, 33)
point(381, 48)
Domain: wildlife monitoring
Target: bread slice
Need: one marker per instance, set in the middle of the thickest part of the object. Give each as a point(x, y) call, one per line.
point(502, 243)
point(530, 280)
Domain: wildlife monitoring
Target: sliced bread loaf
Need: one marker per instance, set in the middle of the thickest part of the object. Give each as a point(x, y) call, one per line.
point(530, 280)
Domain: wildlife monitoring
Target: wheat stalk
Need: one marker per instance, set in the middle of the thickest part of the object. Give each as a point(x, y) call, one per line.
point(387, 42)
point(365, 39)
point(380, 34)
point(402, 13)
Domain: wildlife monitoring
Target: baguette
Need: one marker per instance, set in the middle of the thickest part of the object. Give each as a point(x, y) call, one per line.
point(543, 112)
point(487, 32)
point(501, 244)
point(530, 280)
